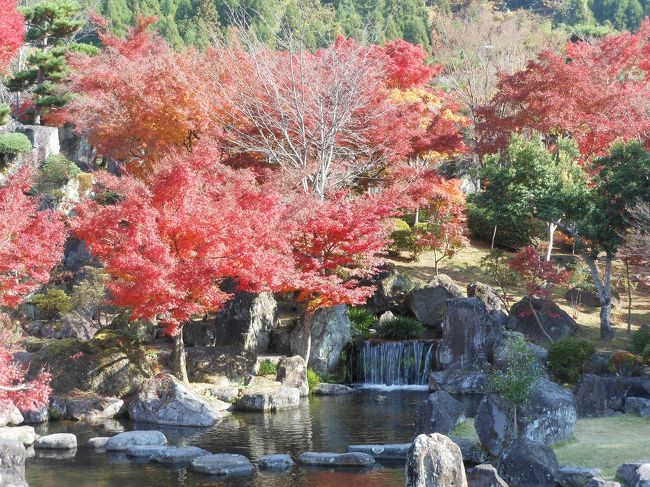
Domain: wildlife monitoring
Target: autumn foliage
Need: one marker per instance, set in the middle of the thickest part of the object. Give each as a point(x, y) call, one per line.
point(11, 33)
point(538, 276)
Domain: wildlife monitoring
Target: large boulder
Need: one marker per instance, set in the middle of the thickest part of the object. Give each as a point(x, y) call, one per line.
point(76, 147)
point(429, 303)
point(57, 441)
point(292, 372)
point(45, 140)
point(215, 365)
point(434, 461)
point(484, 475)
point(470, 332)
point(527, 463)
point(24, 434)
point(473, 452)
point(555, 321)
point(549, 417)
point(440, 413)
point(330, 333)
point(122, 441)
point(634, 474)
point(166, 400)
point(601, 395)
point(583, 297)
point(638, 405)
point(246, 321)
point(486, 294)
point(87, 406)
point(459, 381)
point(392, 292)
point(12, 463)
point(570, 476)
point(10, 415)
point(267, 395)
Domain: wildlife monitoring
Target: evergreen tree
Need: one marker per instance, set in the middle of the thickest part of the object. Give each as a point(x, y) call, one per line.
point(119, 14)
point(52, 26)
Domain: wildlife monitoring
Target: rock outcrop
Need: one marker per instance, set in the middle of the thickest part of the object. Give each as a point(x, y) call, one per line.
point(526, 463)
point(435, 461)
point(292, 372)
point(555, 321)
point(429, 303)
point(440, 413)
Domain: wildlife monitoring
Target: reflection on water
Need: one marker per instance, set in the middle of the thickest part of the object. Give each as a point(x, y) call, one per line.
point(321, 424)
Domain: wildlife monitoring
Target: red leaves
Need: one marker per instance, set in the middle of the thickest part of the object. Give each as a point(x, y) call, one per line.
point(597, 93)
point(405, 67)
point(31, 241)
point(11, 33)
point(538, 275)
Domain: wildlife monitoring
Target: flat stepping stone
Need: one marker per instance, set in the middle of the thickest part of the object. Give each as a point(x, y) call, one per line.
point(275, 462)
point(324, 389)
point(225, 464)
point(354, 459)
point(144, 451)
point(179, 454)
point(397, 451)
point(122, 441)
point(98, 442)
point(57, 441)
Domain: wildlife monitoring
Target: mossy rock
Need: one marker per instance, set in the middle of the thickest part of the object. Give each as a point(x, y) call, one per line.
point(104, 365)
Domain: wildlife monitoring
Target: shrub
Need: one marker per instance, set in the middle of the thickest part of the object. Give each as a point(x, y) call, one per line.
point(401, 237)
point(313, 379)
point(267, 368)
point(641, 339)
point(646, 354)
point(52, 302)
point(400, 328)
point(12, 145)
point(361, 319)
point(57, 170)
point(566, 359)
point(625, 364)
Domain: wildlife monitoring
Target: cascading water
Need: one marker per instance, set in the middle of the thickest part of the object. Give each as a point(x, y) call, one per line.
point(400, 363)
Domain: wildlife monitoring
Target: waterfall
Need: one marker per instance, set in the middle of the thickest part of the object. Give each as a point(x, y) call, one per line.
point(406, 362)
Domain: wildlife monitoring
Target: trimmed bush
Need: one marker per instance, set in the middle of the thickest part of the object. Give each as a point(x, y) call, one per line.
point(566, 359)
point(400, 328)
point(52, 302)
point(267, 368)
point(57, 170)
point(641, 339)
point(361, 319)
point(12, 145)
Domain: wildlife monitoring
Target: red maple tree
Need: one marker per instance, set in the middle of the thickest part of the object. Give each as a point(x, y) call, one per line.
point(12, 32)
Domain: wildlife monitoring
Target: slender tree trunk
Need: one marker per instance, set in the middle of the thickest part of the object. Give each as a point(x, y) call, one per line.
point(539, 323)
point(629, 295)
point(515, 426)
point(307, 320)
point(494, 236)
point(179, 366)
point(417, 216)
point(604, 287)
point(551, 236)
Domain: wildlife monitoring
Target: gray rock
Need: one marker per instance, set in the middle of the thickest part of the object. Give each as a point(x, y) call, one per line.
point(392, 292)
point(583, 297)
point(37, 417)
point(275, 462)
point(325, 389)
point(58, 408)
point(76, 325)
point(486, 294)
point(638, 405)
point(397, 451)
point(440, 413)
point(429, 303)
point(10, 415)
point(98, 442)
point(353, 459)
point(57, 441)
point(166, 400)
point(330, 333)
point(56, 454)
point(224, 464)
point(599, 482)
point(470, 333)
point(500, 361)
point(459, 381)
point(24, 434)
point(473, 453)
point(634, 474)
point(76, 147)
point(484, 475)
point(557, 323)
point(267, 395)
point(292, 372)
point(92, 407)
point(145, 451)
point(179, 454)
point(386, 316)
point(246, 321)
point(12, 463)
point(570, 476)
point(122, 441)
point(434, 461)
point(549, 417)
point(600, 395)
point(526, 463)
point(45, 140)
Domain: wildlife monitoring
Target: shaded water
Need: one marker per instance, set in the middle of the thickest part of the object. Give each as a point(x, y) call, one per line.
point(404, 362)
point(321, 424)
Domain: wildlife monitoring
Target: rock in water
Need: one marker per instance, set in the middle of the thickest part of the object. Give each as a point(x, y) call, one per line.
point(351, 459)
point(325, 389)
point(166, 400)
point(225, 464)
point(57, 441)
point(292, 372)
point(122, 441)
point(267, 395)
point(10, 415)
point(429, 304)
point(24, 434)
point(275, 462)
point(435, 461)
point(330, 333)
point(440, 413)
point(12, 463)
point(526, 463)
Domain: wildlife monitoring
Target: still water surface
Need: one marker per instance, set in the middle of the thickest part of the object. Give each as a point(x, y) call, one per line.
point(321, 424)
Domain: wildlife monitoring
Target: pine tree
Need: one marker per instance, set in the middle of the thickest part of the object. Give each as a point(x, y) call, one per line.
point(52, 25)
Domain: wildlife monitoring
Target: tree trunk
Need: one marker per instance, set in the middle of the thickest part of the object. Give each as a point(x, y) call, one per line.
point(604, 287)
point(494, 236)
point(179, 367)
point(307, 321)
point(539, 323)
point(551, 235)
point(417, 216)
point(629, 295)
point(515, 426)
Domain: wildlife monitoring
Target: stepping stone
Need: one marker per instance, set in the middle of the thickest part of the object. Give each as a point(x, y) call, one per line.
point(225, 464)
point(122, 441)
point(144, 451)
point(354, 459)
point(24, 434)
point(275, 462)
point(57, 441)
point(179, 455)
point(324, 389)
point(98, 442)
point(397, 451)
